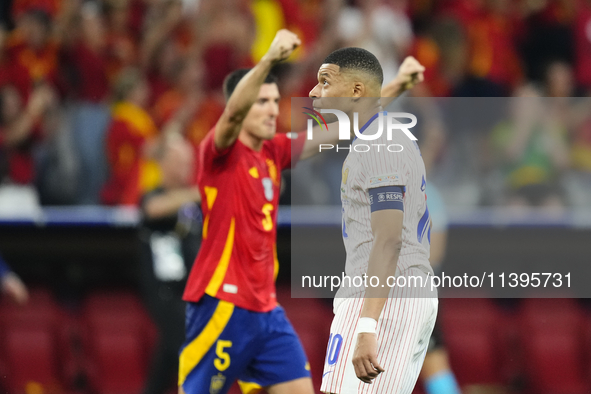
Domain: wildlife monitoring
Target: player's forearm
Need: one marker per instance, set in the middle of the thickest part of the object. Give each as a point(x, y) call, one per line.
point(239, 104)
point(383, 261)
point(392, 90)
point(170, 202)
point(247, 90)
point(409, 74)
point(320, 137)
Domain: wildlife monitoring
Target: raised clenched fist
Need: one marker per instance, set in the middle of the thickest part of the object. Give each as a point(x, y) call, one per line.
point(283, 45)
point(410, 73)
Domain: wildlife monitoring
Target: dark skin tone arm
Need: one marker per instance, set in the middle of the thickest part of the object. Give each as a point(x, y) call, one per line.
point(386, 226)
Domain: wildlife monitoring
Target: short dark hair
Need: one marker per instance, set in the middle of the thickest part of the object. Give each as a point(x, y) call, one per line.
point(233, 78)
point(357, 59)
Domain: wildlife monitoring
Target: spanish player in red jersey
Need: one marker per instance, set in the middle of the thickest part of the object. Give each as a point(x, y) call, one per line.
point(234, 328)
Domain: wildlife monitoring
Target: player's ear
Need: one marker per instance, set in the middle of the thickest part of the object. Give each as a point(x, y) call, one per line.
point(358, 89)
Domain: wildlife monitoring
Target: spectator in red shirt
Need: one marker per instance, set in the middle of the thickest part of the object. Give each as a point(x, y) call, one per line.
point(21, 129)
point(492, 50)
point(122, 42)
point(51, 7)
point(33, 53)
point(85, 59)
point(185, 108)
point(161, 70)
point(131, 142)
point(442, 50)
point(4, 65)
point(161, 51)
point(226, 34)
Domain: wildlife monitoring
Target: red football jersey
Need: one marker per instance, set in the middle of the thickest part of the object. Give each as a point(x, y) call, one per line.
point(240, 187)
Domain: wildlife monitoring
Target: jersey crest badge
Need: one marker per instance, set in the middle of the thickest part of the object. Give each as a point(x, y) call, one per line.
point(217, 383)
point(268, 186)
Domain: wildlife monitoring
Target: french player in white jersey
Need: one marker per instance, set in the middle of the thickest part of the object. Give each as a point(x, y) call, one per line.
point(380, 333)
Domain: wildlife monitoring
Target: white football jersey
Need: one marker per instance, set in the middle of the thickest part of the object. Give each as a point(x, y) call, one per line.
point(374, 164)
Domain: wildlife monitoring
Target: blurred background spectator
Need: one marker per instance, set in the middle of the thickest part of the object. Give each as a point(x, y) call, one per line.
point(131, 140)
point(171, 236)
point(383, 28)
point(104, 101)
point(182, 50)
point(532, 151)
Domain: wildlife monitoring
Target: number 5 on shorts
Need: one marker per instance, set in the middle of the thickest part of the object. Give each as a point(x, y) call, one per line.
point(223, 361)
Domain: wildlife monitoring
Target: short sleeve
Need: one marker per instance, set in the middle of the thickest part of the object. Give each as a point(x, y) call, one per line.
point(210, 151)
point(437, 210)
point(288, 148)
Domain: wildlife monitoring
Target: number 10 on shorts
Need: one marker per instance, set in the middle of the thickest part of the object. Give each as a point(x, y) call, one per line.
point(334, 348)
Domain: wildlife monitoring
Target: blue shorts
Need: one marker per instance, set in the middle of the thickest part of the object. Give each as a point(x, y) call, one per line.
point(225, 343)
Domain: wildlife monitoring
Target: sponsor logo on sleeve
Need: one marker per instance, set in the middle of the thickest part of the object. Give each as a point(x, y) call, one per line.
point(393, 196)
point(387, 197)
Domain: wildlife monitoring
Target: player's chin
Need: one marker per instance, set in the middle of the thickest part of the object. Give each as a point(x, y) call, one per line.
point(318, 104)
point(269, 132)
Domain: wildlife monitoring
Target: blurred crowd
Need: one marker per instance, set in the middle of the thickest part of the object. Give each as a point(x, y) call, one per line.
point(90, 88)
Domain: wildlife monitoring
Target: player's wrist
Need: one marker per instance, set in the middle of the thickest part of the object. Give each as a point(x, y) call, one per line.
point(367, 325)
point(394, 88)
point(269, 59)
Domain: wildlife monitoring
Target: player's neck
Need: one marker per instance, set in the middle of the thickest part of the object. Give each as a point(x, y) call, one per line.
point(365, 114)
point(251, 141)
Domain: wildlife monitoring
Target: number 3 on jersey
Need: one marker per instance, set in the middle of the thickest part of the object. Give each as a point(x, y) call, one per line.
point(268, 208)
point(268, 220)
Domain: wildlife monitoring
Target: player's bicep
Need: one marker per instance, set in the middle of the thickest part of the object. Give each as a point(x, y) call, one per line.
point(387, 212)
point(386, 226)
